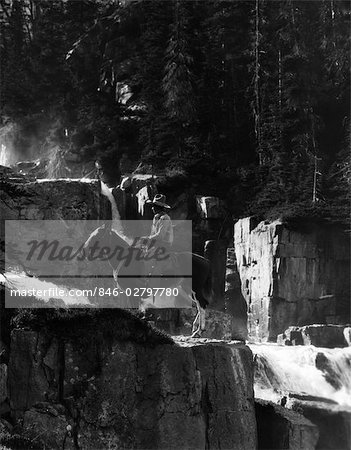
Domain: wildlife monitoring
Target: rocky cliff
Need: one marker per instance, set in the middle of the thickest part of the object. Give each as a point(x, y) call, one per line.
point(278, 428)
point(292, 276)
point(66, 199)
point(114, 382)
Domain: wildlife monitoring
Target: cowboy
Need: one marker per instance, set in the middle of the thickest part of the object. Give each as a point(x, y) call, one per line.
point(161, 237)
point(162, 229)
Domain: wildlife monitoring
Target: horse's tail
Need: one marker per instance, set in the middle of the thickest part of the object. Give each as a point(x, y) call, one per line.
point(207, 290)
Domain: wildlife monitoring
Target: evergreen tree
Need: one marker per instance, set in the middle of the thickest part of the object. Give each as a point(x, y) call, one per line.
point(253, 95)
point(155, 133)
point(178, 80)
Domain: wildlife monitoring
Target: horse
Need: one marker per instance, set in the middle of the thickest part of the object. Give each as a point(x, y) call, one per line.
point(197, 290)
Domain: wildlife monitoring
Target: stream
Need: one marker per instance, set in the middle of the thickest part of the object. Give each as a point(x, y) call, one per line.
point(308, 372)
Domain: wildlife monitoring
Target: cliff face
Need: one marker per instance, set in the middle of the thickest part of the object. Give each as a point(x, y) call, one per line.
point(279, 428)
point(292, 277)
point(128, 394)
point(52, 200)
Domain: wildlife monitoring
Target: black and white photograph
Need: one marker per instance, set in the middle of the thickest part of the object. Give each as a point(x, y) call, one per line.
point(175, 225)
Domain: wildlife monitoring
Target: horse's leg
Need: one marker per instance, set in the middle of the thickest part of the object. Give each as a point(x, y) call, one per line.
point(194, 323)
point(196, 333)
point(202, 319)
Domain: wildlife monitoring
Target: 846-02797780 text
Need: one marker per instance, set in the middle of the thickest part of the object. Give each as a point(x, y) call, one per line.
point(136, 292)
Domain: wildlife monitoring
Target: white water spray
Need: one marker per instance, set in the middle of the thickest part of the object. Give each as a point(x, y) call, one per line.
point(4, 160)
point(116, 217)
point(280, 370)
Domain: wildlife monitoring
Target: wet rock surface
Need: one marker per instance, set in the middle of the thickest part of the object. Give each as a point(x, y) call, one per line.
point(333, 422)
point(279, 428)
point(319, 335)
point(311, 381)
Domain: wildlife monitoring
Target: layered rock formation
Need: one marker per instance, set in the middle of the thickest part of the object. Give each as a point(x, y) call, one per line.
point(130, 388)
point(52, 200)
point(329, 336)
point(292, 277)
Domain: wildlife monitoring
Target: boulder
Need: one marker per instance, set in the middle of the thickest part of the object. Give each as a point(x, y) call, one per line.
point(319, 335)
point(279, 428)
point(292, 276)
point(333, 422)
point(325, 365)
point(291, 336)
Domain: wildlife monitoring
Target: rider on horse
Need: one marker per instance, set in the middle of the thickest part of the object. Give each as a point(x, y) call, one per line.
point(162, 229)
point(161, 236)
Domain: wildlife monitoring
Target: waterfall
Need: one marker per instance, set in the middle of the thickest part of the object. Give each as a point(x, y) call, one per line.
point(116, 217)
point(307, 370)
point(4, 160)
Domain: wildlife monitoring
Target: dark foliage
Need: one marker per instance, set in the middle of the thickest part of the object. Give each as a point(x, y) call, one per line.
point(85, 326)
point(18, 442)
point(248, 99)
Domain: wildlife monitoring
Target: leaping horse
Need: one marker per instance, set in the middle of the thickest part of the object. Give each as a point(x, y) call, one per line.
point(197, 290)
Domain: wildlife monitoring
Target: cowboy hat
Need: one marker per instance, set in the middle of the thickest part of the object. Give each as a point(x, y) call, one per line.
point(159, 200)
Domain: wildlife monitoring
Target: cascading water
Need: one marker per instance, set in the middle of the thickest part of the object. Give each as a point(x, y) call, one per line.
point(4, 158)
point(306, 370)
point(116, 218)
